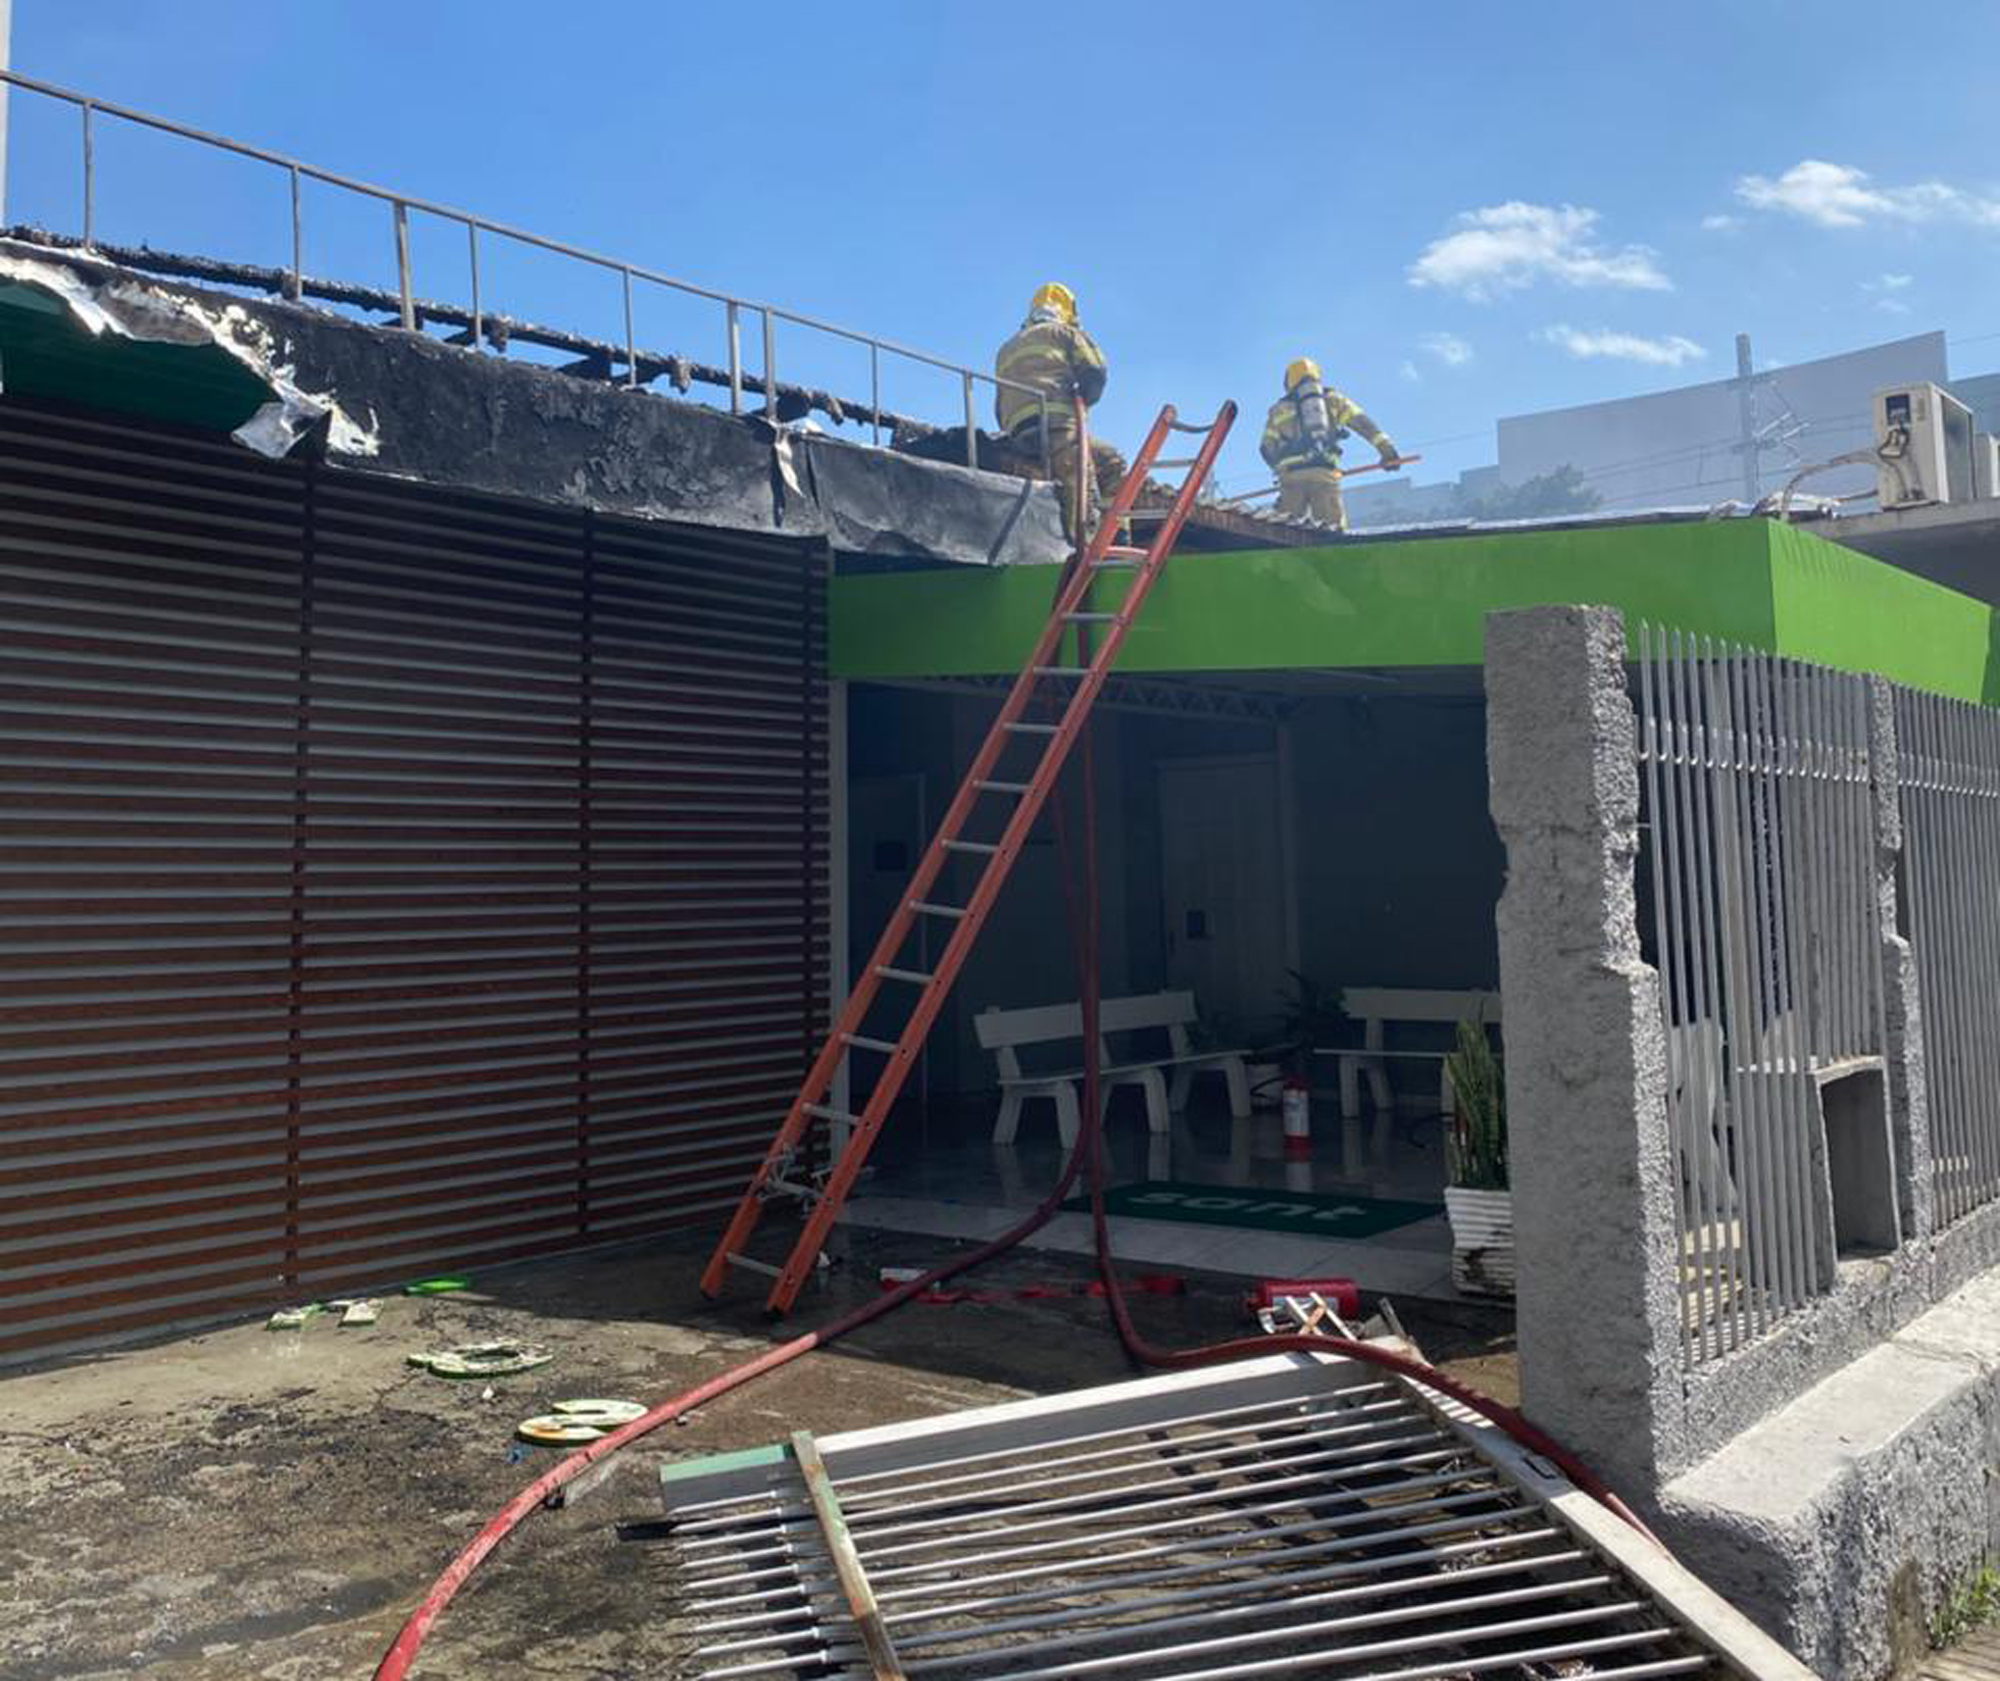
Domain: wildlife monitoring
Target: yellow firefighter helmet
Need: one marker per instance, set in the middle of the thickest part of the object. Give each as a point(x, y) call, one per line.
point(1056, 296)
point(1303, 369)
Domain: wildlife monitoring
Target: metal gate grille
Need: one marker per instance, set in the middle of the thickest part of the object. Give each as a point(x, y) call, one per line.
point(1280, 1516)
point(1949, 765)
point(387, 878)
point(1758, 804)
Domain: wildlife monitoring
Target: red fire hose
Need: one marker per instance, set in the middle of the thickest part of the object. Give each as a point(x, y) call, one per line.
point(402, 1652)
point(1088, 1151)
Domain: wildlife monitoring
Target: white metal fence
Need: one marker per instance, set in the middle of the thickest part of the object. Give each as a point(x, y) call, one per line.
point(1949, 763)
point(482, 235)
point(1759, 849)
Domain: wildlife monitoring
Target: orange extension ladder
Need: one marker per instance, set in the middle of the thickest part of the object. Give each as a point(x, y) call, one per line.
point(1045, 688)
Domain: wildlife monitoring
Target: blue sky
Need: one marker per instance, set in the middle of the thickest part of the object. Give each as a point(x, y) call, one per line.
point(1463, 210)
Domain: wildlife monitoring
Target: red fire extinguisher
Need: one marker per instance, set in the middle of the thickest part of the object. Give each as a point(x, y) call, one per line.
point(1298, 1119)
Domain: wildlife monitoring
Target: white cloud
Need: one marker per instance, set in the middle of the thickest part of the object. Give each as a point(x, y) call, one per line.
point(1884, 288)
point(1448, 348)
point(1721, 223)
point(1410, 372)
point(1505, 247)
point(1837, 195)
point(1669, 352)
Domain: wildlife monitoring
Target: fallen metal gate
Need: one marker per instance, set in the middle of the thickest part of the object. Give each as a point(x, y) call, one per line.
point(1280, 1516)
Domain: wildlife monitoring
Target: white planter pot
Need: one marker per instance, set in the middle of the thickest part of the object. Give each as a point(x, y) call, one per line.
point(1482, 1240)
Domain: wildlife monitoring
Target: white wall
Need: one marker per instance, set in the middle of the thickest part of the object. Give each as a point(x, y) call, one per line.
point(1675, 448)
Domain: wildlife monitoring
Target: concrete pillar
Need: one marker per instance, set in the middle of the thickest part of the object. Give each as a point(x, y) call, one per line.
point(1902, 1026)
point(1592, 1163)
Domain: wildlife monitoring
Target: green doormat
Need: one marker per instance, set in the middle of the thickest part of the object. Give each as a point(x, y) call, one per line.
point(1306, 1213)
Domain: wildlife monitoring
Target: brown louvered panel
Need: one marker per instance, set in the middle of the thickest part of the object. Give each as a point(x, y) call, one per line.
point(147, 909)
point(650, 631)
point(389, 879)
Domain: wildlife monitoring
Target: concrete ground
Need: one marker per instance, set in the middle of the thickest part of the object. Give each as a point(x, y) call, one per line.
point(243, 1503)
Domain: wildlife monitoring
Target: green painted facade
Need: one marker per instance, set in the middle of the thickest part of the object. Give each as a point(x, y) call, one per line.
point(44, 353)
point(1422, 603)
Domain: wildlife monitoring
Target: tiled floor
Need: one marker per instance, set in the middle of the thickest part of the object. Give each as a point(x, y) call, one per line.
point(952, 1181)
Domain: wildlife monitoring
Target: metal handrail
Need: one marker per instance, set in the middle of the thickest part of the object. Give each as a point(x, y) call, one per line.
point(401, 204)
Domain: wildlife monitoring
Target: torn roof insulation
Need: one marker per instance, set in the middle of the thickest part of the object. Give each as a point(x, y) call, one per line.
point(164, 393)
point(79, 331)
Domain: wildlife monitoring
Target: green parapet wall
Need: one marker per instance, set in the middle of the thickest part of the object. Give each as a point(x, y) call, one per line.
point(44, 353)
point(1423, 603)
point(1844, 608)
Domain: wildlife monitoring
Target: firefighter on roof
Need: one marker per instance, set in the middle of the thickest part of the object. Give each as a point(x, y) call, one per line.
point(1302, 438)
point(1053, 355)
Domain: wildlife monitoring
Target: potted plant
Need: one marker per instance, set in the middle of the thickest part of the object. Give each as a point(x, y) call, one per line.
point(1312, 1017)
point(1308, 1016)
point(1477, 1198)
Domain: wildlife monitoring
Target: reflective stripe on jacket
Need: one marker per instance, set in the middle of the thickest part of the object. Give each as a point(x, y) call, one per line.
point(1050, 356)
point(1286, 445)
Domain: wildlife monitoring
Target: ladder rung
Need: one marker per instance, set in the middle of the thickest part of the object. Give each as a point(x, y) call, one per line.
point(1126, 551)
point(744, 1261)
point(1022, 728)
point(1062, 671)
point(1147, 513)
point(826, 1112)
point(886, 1046)
point(923, 908)
point(989, 787)
point(969, 846)
point(916, 977)
point(1090, 618)
point(792, 1188)
point(1175, 461)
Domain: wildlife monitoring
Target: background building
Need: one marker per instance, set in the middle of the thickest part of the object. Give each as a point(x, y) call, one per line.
point(1687, 446)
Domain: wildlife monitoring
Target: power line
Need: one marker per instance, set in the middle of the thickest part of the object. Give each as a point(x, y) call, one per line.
point(1455, 438)
point(1655, 458)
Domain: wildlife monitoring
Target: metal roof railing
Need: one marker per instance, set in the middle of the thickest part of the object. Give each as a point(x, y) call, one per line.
point(734, 308)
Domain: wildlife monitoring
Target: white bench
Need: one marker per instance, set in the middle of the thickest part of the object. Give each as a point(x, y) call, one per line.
point(1375, 1007)
point(1165, 1079)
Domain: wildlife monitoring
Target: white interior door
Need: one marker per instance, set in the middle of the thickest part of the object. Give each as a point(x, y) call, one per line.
point(1222, 857)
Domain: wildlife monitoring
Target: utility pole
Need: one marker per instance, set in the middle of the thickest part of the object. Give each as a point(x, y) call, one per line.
point(1754, 442)
point(1753, 481)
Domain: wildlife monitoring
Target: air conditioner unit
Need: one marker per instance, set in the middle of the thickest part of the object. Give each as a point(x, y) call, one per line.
point(1923, 439)
point(1985, 466)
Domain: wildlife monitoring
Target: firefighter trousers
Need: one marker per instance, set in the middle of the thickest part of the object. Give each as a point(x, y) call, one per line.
point(1102, 483)
point(1312, 493)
